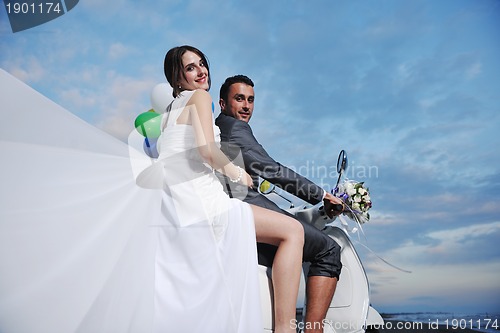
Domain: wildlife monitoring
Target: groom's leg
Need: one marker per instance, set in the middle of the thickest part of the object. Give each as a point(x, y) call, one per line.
point(324, 255)
point(320, 290)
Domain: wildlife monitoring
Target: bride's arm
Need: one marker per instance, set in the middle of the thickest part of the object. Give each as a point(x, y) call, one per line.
point(200, 111)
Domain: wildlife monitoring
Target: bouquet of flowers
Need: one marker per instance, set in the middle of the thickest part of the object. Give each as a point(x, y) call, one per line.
point(356, 197)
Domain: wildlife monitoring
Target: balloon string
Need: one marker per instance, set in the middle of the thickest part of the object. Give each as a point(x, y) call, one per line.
point(148, 145)
point(385, 261)
point(348, 230)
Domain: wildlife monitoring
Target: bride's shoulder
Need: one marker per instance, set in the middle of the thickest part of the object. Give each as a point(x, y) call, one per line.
point(200, 97)
point(201, 94)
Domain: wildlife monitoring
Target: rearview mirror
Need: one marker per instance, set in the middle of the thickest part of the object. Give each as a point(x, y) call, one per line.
point(342, 164)
point(266, 188)
point(342, 161)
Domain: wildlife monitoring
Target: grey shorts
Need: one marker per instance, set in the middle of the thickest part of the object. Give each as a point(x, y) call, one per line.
point(320, 250)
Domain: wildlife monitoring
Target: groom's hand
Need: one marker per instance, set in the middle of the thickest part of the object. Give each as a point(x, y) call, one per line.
point(333, 205)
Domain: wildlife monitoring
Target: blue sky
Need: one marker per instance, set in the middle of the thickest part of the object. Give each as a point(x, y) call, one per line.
point(409, 88)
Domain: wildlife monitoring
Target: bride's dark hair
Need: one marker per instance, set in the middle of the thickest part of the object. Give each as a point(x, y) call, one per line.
point(173, 67)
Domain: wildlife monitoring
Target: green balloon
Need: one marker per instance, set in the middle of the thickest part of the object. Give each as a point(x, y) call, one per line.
point(148, 124)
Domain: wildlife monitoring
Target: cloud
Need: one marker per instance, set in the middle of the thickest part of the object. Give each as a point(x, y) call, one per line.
point(78, 97)
point(117, 50)
point(27, 70)
point(450, 246)
point(125, 101)
point(442, 288)
point(457, 242)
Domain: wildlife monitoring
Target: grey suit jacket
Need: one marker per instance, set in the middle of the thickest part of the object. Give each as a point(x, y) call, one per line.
point(237, 137)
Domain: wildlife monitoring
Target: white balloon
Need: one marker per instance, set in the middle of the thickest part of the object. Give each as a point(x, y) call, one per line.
point(161, 97)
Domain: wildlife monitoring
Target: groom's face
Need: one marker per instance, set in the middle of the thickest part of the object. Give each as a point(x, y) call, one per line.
point(239, 102)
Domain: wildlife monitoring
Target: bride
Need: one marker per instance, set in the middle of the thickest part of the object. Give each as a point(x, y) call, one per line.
point(84, 249)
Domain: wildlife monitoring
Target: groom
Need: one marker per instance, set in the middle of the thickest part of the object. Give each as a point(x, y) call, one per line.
point(322, 252)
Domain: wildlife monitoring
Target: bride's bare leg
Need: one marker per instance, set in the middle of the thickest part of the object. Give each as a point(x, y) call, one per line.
point(288, 235)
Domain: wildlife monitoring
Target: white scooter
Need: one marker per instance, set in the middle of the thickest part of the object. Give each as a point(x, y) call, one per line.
point(350, 310)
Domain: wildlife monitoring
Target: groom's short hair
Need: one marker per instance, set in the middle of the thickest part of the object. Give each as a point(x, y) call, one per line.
point(224, 89)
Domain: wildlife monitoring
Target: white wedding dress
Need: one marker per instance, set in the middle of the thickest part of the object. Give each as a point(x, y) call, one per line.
point(83, 248)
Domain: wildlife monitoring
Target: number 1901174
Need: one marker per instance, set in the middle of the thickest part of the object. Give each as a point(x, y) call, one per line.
point(32, 8)
point(485, 323)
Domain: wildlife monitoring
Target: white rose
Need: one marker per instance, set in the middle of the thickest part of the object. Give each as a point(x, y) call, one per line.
point(355, 206)
point(349, 189)
point(361, 191)
point(357, 198)
point(366, 198)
